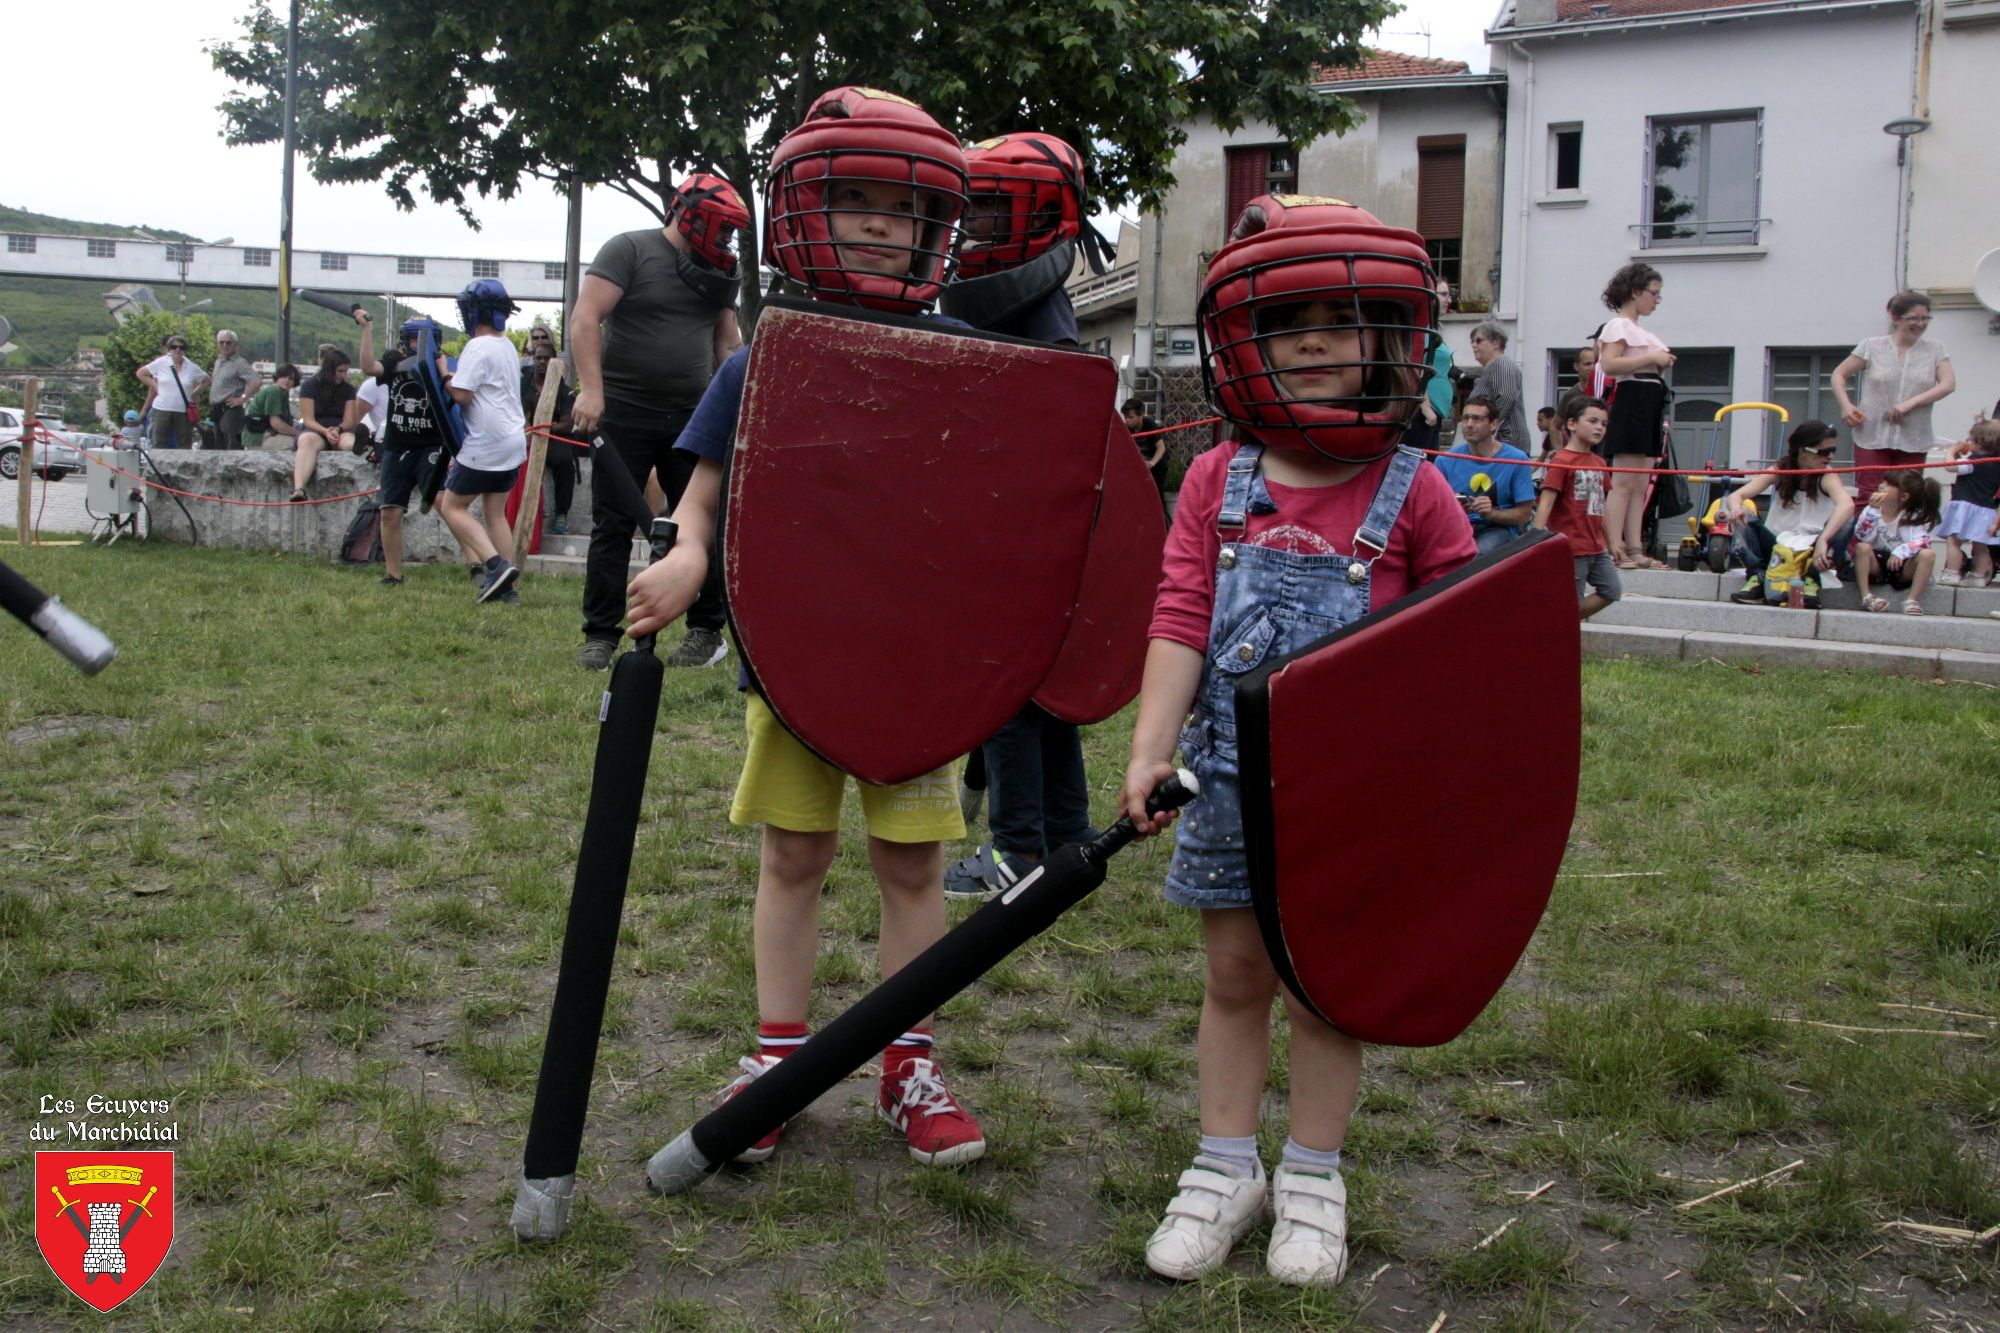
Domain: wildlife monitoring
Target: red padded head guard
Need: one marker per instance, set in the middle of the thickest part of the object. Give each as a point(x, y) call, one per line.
point(1027, 194)
point(1376, 305)
point(709, 213)
point(877, 139)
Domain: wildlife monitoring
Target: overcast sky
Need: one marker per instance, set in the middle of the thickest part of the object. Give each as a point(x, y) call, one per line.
point(129, 90)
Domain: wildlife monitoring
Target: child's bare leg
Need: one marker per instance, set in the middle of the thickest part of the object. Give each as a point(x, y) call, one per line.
point(305, 458)
point(1592, 604)
point(1982, 559)
point(1234, 1047)
point(493, 508)
point(1954, 555)
point(472, 539)
point(1864, 566)
point(1923, 562)
point(791, 868)
point(911, 876)
point(1326, 1079)
point(392, 543)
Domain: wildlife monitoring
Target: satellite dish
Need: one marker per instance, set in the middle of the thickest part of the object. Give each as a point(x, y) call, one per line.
point(1985, 280)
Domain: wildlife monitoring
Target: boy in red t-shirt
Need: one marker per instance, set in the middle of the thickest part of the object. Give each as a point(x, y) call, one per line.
point(1572, 500)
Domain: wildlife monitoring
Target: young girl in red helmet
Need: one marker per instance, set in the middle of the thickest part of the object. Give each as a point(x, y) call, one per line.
point(865, 200)
point(1317, 322)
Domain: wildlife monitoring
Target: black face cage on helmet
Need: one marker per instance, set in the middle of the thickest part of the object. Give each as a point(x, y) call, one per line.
point(1388, 299)
point(803, 212)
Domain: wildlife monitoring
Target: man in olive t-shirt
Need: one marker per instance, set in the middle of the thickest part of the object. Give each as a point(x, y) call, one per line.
point(638, 381)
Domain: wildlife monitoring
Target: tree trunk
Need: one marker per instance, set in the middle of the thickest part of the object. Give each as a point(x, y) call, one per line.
point(750, 245)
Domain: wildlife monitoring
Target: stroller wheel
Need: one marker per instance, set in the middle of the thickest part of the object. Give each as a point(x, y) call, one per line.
point(1718, 554)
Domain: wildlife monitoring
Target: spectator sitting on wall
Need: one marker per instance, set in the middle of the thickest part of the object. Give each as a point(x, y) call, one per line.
point(1810, 515)
point(271, 410)
point(1497, 497)
point(1499, 383)
point(329, 408)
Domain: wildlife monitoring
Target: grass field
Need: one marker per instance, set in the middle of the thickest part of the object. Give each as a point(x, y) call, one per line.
point(299, 861)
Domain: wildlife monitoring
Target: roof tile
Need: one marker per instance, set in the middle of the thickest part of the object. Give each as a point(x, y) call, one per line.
point(1396, 65)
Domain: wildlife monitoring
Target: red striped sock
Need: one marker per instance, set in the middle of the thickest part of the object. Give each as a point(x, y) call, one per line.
point(912, 1045)
point(780, 1039)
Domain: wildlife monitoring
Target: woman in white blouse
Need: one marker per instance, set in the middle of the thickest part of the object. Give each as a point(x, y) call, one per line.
point(1902, 374)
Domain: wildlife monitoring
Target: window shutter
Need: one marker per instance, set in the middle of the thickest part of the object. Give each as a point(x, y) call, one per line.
point(1248, 168)
point(1441, 187)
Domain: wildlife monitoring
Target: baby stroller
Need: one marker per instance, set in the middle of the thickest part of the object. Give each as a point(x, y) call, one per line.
point(1709, 539)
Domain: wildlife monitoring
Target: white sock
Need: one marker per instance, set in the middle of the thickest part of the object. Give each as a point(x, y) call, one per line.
point(1301, 1158)
point(1232, 1157)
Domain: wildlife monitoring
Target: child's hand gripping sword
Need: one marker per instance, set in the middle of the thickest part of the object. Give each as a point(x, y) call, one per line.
point(926, 982)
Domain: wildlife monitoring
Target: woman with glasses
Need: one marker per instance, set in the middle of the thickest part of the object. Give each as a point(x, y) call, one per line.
point(174, 382)
point(1809, 514)
point(1636, 362)
point(1902, 374)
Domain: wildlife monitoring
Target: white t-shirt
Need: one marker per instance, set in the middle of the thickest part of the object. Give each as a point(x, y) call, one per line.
point(1636, 339)
point(169, 398)
point(374, 396)
point(495, 431)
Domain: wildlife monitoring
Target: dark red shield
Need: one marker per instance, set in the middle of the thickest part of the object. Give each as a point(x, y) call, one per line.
point(909, 509)
point(1400, 857)
point(1103, 655)
point(104, 1220)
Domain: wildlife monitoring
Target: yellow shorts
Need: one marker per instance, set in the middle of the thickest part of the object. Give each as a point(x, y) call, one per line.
point(786, 784)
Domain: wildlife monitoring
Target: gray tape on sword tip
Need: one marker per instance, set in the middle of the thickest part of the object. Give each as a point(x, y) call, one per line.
point(542, 1207)
point(678, 1167)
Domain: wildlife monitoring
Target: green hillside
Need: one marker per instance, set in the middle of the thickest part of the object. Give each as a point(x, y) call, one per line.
point(20, 219)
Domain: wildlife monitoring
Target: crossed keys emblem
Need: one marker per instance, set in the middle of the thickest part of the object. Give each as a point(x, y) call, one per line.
point(104, 1235)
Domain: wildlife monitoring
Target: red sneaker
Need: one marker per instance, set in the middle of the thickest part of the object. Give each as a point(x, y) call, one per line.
point(914, 1099)
point(752, 1066)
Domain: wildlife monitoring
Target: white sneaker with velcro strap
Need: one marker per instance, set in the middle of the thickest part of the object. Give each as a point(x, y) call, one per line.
point(1309, 1233)
point(1205, 1220)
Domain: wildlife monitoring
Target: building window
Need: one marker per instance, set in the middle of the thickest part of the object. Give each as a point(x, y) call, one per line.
point(553, 273)
point(1702, 180)
point(96, 249)
point(333, 262)
point(1441, 200)
point(1565, 157)
point(1802, 384)
point(180, 252)
point(409, 266)
point(485, 268)
point(1700, 378)
point(1264, 169)
point(20, 245)
point(255, 257)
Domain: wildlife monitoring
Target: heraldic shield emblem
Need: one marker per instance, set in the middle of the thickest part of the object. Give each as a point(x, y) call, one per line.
point(104, 1220)
point(1397, 872)
point(908, 513)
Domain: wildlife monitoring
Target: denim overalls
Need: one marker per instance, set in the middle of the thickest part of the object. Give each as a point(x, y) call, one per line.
point(1268, 602)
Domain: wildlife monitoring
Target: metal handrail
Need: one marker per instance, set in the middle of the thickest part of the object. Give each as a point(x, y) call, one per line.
point(1701, 226)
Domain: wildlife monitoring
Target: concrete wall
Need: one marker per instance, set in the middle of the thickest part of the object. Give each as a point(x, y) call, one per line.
point(1955, 194)
point(1824, 264)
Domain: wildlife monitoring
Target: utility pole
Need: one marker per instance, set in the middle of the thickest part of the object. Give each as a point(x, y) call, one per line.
point(285, 206)
point(572, 252)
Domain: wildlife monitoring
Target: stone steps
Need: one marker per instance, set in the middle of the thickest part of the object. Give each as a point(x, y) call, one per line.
point(1687, 617)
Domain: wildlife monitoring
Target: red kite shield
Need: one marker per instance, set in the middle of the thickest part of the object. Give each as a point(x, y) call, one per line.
point(909, 508)
point(1397, 868)
point(1104, 653)
point(104, 1220)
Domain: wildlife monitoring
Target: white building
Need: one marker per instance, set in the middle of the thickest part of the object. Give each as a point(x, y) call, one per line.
point(1740, 150)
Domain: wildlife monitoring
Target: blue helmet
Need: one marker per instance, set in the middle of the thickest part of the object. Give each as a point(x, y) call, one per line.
point(423, 324)
point(485, 301)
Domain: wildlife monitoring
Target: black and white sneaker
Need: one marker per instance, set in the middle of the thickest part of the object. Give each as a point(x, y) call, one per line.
point(499, 578)
point(986, 873)
point(701, 648)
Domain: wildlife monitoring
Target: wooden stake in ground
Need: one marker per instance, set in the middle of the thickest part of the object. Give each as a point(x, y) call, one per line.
point(530, 512)
point(24, 480)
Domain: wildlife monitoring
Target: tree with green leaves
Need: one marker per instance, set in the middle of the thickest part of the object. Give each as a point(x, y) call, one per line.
point(463, 98)
point(137, 342)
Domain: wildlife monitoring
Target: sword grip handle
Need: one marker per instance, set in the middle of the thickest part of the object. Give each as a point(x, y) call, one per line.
point(1171, 794)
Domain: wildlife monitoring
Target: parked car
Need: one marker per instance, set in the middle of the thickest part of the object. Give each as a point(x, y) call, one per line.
point(55, 458)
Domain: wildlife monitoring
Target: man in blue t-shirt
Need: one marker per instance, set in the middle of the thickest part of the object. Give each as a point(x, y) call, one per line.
point(1498, 495)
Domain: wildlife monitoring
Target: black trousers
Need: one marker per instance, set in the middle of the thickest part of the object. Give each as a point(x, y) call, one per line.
point(1037, 796)
point(644, 438)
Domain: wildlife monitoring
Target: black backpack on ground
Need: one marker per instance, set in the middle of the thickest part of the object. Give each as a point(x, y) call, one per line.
point(363, 543)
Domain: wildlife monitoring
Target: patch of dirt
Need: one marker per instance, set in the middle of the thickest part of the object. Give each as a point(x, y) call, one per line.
point(56, 728)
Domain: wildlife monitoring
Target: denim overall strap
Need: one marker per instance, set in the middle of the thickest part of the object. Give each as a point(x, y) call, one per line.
point(1387, 504)
point(1243, 492)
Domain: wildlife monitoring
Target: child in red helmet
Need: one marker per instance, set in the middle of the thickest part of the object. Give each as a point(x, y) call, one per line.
point(865, 201)
point(1317, 322)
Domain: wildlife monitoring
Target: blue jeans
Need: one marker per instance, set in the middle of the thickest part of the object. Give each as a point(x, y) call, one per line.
point(1037, 797)
point(1752, 542)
